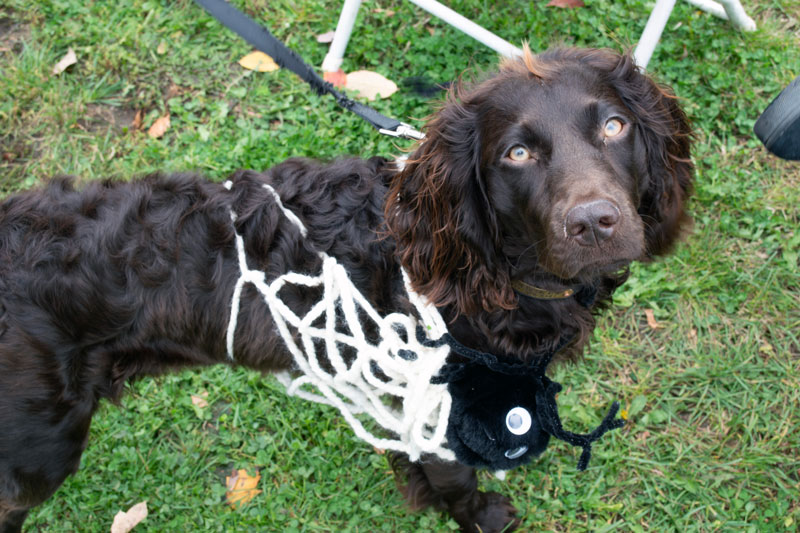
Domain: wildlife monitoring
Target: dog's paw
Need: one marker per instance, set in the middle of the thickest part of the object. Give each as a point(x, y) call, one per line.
point(495, 514)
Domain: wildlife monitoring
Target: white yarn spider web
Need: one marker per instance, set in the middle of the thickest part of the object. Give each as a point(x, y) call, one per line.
point(380, 375)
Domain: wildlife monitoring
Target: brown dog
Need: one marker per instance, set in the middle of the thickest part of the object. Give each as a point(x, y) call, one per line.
point(556, 172)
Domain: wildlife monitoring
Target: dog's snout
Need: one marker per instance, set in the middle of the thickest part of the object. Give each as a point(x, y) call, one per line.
point(592, 223)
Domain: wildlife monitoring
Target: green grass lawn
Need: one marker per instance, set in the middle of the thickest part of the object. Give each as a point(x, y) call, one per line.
point(713, 395)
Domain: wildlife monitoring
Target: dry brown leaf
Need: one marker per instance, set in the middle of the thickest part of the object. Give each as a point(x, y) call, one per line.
point(241, 487)
point(370, 84)
point(69, 59)
point(174, 90)
point(326, 37)
point(565, 3)
point(124, 522)
point(258, 61)
point(651, 319)
point(159, 127)
point(137, 120)
point(692, 337)
point(200, 400)
point(337, 78)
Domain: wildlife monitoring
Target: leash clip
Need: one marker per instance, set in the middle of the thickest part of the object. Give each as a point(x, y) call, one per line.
point(405, 131)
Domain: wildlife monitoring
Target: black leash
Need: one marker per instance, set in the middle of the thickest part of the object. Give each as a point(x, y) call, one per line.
point(263, 40)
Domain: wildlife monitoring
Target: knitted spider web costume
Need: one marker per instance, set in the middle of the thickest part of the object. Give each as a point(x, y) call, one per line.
point(478, 410)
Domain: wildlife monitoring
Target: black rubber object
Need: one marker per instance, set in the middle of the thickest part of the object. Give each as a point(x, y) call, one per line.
point(778, 127)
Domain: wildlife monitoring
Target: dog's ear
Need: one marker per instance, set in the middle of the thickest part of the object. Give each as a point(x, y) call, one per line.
point(439, 214)
point(666, 134)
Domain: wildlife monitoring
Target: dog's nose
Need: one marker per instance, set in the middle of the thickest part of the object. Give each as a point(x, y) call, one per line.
point(592, 223)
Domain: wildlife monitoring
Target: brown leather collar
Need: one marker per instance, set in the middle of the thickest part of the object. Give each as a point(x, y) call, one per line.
point(539, 293)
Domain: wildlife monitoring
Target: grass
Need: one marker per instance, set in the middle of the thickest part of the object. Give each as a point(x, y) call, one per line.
point(712, 395)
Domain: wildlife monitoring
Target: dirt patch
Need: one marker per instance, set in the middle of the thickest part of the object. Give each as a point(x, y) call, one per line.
point(99, 117)
point(13, 34)
point(14, 150)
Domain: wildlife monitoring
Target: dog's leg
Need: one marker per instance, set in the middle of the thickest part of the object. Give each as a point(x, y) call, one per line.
point(11, 521)
point(34, 471)
point(43, 433)
point(454, 487)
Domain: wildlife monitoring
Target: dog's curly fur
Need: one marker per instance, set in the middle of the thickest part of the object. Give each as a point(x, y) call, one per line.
point(113, 281)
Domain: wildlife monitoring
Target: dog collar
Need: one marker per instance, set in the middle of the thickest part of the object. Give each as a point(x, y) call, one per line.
point(583, 294)
point(539, 293)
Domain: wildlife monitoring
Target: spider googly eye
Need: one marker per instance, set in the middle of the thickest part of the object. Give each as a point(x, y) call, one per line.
point(613, 127)
point(519, 153)
point(518, 421)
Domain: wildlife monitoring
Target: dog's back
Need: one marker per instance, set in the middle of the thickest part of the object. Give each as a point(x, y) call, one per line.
point(104, 283)
point(82, 274)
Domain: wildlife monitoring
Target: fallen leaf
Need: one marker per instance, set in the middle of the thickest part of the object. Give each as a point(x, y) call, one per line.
point(326, 37)
point(370, 84)
point(159, 127)
point(203, 133)
point(137, 120)
point(258, 61)
point(241, 487)
point(173, 90)
point(124, 522)
point(200, 399)
point(651, 319)
point(337, 78)
point(565, 3)
point(69, 59)
point(766, 348)
point(692, 337)
point(162, 48)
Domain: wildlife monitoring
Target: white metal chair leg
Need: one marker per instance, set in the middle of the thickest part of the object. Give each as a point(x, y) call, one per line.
point(726, 9)
point(475, 31)
point(729, 10)
point(652, 32)
point(347, 18)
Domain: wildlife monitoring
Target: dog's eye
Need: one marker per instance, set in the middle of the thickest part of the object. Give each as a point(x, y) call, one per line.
point(519, 153)
point(613, 127)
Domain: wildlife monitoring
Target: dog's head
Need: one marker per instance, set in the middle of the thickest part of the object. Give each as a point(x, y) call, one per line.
point(569, 164)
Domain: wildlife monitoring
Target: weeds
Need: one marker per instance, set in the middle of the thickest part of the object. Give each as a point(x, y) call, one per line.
point(712, 396)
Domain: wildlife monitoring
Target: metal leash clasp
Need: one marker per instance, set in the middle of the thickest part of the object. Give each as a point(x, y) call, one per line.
point(405, 131)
